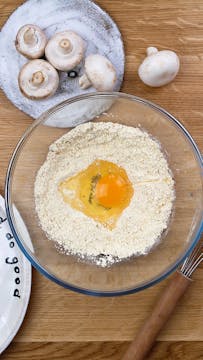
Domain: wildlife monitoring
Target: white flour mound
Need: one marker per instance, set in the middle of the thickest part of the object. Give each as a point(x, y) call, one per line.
point(95, 26)
point(140, 225)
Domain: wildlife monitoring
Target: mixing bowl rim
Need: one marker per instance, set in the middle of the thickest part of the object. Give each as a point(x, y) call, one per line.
point(9, 211)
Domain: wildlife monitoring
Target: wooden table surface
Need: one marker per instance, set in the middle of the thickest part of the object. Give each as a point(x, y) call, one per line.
point(64, 325)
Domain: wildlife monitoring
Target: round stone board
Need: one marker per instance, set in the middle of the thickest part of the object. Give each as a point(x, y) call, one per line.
point(94, 25)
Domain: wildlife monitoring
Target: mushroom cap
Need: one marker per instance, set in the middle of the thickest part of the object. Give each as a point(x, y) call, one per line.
point(65, 50)
point(31, 41)
point(159, 68)
point(101, 72)
point(38, 79)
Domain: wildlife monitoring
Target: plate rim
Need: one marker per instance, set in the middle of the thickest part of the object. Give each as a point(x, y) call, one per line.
point(28, 277)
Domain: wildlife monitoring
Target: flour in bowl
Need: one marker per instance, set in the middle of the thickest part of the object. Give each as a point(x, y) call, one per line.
point(88, 171)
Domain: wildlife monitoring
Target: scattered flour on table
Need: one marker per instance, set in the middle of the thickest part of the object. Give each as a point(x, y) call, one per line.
point(141, 224)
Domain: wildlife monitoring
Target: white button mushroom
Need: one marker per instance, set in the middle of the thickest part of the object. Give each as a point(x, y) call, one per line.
point(99, 73)
point(65, 50)
point(159, 67)
point(31, 41)
point(38, 79)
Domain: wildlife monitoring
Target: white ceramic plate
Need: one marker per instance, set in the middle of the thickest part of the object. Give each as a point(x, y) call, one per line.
point(94, 25)
point(15, 282)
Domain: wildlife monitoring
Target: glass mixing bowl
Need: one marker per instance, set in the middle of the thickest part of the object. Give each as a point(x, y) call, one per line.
point(128, 276)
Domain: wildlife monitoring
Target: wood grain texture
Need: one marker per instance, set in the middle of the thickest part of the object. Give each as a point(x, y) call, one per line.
point(141, 346)
point(99, 351)
point(60, 324)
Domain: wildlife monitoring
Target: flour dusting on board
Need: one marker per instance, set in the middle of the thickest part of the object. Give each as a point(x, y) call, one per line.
point(98, 30)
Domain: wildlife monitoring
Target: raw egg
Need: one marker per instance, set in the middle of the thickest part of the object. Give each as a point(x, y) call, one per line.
point(102, 191)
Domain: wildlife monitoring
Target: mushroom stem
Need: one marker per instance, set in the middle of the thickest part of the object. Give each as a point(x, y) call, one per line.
point(65, 45)
point(37, 78)
point(84, 82)
point(151, 50)
point(29, 36)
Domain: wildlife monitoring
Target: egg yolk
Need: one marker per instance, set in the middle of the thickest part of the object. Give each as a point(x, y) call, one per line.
point(111, 190)
point(102, 191)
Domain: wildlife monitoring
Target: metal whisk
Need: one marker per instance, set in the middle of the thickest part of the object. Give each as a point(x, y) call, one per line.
point(193, 260)
point(141, 345)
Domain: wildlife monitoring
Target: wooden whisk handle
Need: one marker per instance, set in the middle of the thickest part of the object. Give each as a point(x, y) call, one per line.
point(160, 314)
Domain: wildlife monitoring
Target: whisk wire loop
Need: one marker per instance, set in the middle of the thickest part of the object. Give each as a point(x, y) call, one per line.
point(193, 260)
